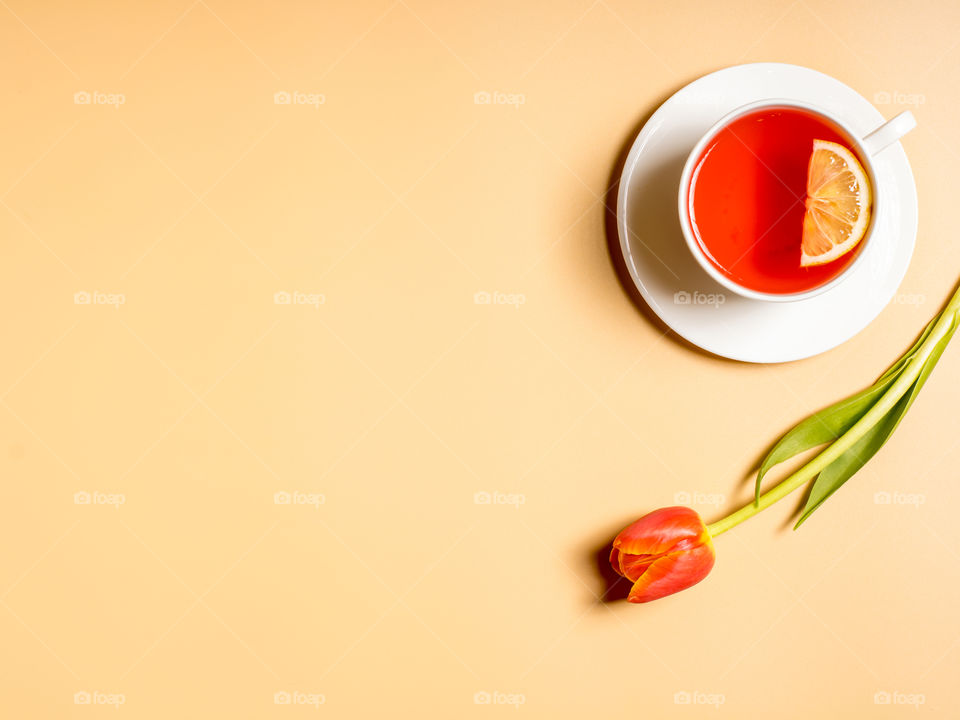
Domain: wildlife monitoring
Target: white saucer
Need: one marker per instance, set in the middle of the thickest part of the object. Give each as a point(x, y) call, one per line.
point(678, 289)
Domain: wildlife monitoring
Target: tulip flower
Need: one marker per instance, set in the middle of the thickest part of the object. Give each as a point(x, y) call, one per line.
point(671, 549)
point(663, 552)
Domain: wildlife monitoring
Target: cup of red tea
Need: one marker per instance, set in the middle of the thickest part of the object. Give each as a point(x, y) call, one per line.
point(778, 199)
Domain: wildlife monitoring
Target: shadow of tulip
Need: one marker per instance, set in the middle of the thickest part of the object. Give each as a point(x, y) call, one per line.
point(791, 519)
point(613, 586)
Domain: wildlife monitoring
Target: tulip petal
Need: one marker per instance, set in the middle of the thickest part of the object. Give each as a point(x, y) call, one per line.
point(615, 560)
point(672, 573)
point(660, 531)
point(633, 566)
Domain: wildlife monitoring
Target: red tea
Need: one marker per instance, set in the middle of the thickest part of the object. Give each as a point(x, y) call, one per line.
point(746, 199)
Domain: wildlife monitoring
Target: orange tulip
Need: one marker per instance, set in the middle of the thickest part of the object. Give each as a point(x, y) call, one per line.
point(663, 552)
point(671, 549)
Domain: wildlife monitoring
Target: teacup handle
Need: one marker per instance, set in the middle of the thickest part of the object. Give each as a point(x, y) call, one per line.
point(891, 131)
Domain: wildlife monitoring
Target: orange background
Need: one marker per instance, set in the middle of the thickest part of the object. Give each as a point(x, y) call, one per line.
point(182, 398)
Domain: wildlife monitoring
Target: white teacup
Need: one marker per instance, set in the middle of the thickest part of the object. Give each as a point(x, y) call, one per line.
point(865, 147)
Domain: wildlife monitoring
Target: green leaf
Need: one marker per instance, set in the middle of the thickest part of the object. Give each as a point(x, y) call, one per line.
point(823, 427)
point(845, 466)
point(832, 422)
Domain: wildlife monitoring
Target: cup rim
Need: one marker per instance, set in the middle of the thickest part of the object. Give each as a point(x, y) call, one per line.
point(683, 195)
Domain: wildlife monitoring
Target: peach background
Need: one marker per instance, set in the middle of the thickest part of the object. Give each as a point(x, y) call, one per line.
point(383, 587)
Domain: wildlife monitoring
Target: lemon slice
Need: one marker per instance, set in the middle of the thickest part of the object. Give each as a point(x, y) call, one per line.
point(837, 206)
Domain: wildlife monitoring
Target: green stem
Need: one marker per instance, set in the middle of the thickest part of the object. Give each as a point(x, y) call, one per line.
point(843, 443)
